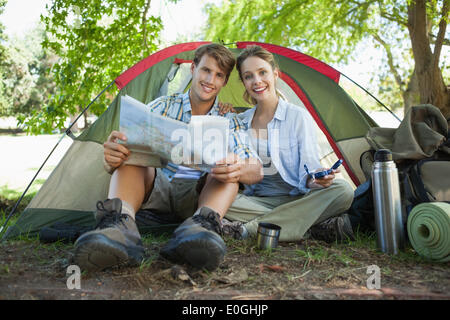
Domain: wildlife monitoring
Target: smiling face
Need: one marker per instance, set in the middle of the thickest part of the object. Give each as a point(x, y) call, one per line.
point(207, 80)
point(259, 78)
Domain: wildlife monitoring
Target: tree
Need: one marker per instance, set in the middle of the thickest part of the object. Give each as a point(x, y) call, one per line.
point(331, 30)
point(432, 88)
point(4, 101)
point(27, 84)
point(96, 41)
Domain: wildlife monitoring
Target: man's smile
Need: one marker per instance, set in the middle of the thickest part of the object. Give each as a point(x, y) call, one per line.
point(207, 88)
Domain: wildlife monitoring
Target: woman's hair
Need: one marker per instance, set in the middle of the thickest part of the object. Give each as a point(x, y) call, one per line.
point(255, 51)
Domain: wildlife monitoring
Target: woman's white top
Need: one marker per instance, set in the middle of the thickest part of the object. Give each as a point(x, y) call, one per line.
point(291, 143)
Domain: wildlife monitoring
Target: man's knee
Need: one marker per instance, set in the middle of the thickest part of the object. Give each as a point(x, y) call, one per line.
point(210, 182)
point(131, 176)
point(344, 193)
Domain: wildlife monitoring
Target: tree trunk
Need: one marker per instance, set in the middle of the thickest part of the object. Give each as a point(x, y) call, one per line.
point(85, 117)
point(432, 88)
point(411, 96)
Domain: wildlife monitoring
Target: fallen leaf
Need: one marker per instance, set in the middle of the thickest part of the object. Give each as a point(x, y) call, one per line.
point(274, 268)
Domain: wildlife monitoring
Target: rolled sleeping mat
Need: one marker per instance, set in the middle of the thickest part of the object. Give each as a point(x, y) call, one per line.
point(429, 230)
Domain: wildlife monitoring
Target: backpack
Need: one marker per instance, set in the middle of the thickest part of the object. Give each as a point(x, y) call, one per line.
point(421, 150)
point(425, 180)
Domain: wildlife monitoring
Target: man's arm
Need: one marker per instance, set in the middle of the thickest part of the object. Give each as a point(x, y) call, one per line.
point(242, 164)
point(116, 154)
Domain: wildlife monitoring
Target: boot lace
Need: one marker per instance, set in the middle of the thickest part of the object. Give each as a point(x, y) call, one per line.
point(210, 222)
point(232, 228)
point(326, 230)
point(110, 218)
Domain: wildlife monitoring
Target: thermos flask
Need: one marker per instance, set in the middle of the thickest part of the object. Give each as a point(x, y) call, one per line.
point(387, 203)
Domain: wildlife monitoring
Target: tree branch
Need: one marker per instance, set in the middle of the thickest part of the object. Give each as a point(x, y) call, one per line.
point(144, 23)
point(441, 34)
point(445, 42)
point(386, 47)
point(394, 18)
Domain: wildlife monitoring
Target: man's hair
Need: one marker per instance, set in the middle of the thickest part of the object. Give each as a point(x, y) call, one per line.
point(220, 53)
point(259, 52)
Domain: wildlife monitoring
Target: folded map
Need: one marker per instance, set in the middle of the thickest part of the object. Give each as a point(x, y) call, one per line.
point(155, 140)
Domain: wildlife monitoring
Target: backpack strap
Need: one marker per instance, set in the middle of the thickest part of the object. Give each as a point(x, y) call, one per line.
point(416, 180)
point(366, 160)
point(409, 197)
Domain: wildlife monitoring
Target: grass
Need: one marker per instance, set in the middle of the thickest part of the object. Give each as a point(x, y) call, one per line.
point(345, 254)
point(9, 198)
point(151, 240)
point(315, 255)
point(46, 168)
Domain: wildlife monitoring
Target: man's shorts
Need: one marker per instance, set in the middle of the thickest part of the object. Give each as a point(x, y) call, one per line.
point(177, 199)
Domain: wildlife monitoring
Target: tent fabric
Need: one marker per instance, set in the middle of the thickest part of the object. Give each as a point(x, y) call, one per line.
point(70, 192)
point(134, 71)
point(79, 181)
point(304, 59)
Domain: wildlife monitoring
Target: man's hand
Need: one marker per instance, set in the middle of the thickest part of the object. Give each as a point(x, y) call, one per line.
point(114, 153)
point(323, 182)
point(228, 170)
point(225, 108)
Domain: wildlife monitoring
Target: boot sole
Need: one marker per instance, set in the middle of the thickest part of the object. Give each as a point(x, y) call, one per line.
point(96, 252)
point(200, 250)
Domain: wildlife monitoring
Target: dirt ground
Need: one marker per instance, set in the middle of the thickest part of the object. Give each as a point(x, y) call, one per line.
point(294, 271)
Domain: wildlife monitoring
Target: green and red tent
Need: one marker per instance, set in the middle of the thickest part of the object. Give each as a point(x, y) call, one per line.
point(79, 180)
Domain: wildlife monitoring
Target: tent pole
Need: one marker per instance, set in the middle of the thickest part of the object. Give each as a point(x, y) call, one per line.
point(66, 132)
point(366, 91)
point(86, 109)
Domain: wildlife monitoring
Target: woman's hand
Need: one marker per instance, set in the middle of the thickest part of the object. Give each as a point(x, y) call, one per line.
point(225, 108)
point(323, 182)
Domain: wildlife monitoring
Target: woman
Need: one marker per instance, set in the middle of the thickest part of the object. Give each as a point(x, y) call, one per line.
point(284, 136)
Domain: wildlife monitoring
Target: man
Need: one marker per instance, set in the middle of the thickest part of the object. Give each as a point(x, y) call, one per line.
point(197, 241)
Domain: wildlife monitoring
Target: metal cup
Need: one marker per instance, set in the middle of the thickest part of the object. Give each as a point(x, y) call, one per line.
point(268, 235)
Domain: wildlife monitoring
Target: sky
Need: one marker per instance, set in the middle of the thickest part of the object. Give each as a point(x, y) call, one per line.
point(18, 21)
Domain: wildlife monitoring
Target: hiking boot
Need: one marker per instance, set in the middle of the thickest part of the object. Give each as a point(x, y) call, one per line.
point(197, 241)
point(333, 229)
point(234, 229)
point(115, 240)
